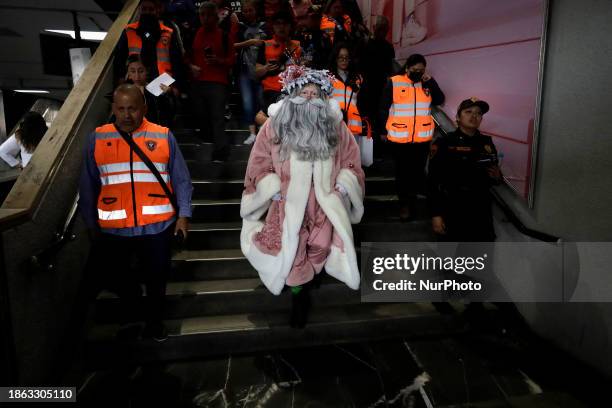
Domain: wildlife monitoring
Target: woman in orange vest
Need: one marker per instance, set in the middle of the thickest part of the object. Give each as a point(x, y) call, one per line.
point(335, 23)
point(346, 88)
point(406, 112)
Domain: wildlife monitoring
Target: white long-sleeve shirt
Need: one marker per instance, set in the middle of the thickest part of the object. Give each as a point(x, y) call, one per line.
point(11, 149)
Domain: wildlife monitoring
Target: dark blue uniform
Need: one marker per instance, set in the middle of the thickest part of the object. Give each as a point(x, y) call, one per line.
point(458, 185)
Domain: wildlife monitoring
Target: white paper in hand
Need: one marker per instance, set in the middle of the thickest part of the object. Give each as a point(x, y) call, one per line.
point(154, 86)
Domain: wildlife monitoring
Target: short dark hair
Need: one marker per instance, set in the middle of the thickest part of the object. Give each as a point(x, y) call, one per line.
point(413, 60)
point(31, 130)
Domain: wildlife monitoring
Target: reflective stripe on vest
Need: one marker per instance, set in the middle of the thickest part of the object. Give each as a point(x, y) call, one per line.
point(162, 47)
point(410, 119)
point(112, 215)
point(127, 178)
point(157, 209)
point(273, 50)
point(130, 194)
point(119, 167)
point(342, 93)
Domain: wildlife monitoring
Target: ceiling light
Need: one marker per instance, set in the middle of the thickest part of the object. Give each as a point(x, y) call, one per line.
point(85, 35)
point(32, 91)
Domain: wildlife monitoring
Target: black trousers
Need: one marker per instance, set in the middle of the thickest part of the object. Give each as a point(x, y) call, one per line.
point(209, 101)
point(468, 217)
point(110, 267)
point(410, 159)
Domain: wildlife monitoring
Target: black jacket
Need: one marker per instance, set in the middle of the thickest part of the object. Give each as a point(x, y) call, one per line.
point(457, 171)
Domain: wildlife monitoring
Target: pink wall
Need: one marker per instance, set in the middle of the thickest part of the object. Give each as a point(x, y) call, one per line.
point(484, 48)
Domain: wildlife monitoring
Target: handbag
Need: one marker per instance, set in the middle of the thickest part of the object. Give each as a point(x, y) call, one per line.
point(366, 148)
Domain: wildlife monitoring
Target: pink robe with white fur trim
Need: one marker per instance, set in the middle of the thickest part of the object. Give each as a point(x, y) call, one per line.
point(310, 226)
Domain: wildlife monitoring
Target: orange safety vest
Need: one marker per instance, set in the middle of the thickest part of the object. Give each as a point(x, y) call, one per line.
point(163, 46)
point(273, 51)
point(328, 25)
point(344, 94)
point(410, 119)
point(130, 195)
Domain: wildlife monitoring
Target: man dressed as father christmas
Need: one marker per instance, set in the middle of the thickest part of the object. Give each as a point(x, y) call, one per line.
point(304, 187)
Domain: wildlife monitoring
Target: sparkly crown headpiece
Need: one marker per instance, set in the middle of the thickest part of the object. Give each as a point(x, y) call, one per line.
point(297, 76)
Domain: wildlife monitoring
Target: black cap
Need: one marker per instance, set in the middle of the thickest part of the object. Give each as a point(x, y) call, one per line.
point(473, 101)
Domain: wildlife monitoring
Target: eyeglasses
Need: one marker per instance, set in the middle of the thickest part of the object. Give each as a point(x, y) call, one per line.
point(343, 59)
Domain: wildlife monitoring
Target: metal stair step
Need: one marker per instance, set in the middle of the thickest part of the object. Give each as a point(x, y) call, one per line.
point(227, 235)
point(232, 188)
point(223, 297)
point(377, 208)
point(218, 335)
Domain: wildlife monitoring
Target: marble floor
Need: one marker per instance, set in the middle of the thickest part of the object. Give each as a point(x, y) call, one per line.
point(440, 372)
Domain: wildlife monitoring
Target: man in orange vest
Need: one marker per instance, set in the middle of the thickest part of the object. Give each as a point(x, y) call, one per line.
point(156, 43)
point(335, 23)
point(406, 112)
point(276, 54)
point(126, 207)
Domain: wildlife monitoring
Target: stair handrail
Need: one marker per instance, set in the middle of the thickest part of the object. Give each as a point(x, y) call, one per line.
point(26, 195)
point(445, 125)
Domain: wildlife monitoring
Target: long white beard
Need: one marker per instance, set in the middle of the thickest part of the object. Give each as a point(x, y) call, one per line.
point(306, 128)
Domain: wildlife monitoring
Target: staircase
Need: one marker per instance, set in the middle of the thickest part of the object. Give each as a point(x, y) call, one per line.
point(216, 303)
point(220, 317)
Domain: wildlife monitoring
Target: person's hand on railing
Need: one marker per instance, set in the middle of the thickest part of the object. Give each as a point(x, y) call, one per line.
point(494, 173)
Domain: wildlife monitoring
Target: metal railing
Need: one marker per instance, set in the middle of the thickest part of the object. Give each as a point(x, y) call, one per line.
point(25, 197)
point(37, 219)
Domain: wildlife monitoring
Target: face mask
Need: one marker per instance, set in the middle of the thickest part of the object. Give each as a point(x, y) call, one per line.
point(415, 76)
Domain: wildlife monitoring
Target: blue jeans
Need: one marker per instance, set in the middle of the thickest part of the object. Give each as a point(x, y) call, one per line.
point(252, 96)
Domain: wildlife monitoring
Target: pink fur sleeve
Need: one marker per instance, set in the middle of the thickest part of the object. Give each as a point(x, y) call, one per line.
point(260, 160)
point(349, 156)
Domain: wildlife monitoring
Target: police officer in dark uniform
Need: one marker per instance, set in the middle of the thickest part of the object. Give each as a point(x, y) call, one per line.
point(462, 167)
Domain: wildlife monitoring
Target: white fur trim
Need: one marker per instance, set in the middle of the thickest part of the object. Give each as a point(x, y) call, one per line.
point(273, 270)
point(254, 205)
point(342, 265)
point(334, 108)
point(349, 181)
point(274, 108)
